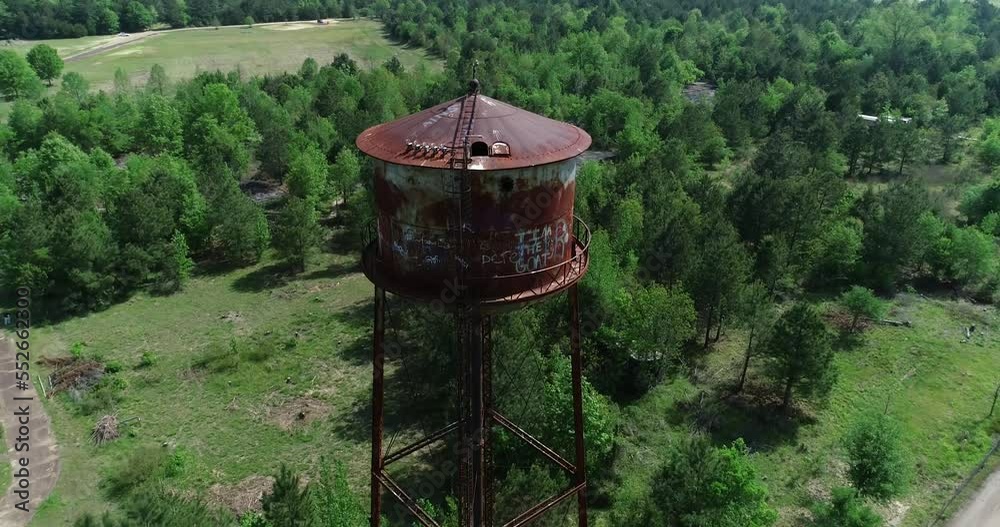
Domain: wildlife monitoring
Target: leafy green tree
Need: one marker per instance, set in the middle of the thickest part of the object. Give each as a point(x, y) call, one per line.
point(137, 17)
point(218, 133)
point(240, 233)
point(309, 69)
point(178, 265)
point(981, 200)
point(756, 313)
point(394, 66)
point(107, 21)
point(965, 92)
point(296, 232)
point(45, 61)
point(289, 503)
point(655, 323)
point(799, 353)
point(556, 410)
point(861, 302)
point(876, 457)
point(25, 121)
point(174, 13)
point(973, 256)
point(845, 509)
point(248, 21)
point(162, 128)
point(836, 251)
point(893, 237)
point(345, 173)
point(157, 82)
point(17, 79)
point(75, 85)
point(122, 83)
point(704, 486)
point(307, 174)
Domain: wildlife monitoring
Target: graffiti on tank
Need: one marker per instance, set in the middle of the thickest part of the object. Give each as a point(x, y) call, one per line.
point(538, 246)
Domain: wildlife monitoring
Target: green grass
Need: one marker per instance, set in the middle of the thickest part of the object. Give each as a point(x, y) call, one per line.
point(257, 50)
point(5, 468)
point(223, 420)
point(939, 388)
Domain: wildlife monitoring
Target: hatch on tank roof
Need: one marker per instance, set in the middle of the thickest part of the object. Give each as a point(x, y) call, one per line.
point(502, 137)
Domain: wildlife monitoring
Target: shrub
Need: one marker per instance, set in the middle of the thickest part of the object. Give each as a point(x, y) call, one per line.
point(335, 504)
point(861, 302)
point(878, 466)
point(177, 462)
point(113, 366)
point(845, 510)
point(148, 359)
point(143, 466)
point(289, 504)
point(704, 486)
point(102, 398)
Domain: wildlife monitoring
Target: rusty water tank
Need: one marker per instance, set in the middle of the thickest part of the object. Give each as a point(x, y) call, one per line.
point(517, 238)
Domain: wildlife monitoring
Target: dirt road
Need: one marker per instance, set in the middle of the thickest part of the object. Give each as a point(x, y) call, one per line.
point(43, 456)
point(983, 510)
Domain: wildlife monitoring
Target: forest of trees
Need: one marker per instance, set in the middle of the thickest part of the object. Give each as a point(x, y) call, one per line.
point(732, 212)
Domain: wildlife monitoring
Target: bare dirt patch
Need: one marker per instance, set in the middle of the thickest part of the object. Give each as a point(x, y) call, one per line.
point(296, 413)
point(242, 497)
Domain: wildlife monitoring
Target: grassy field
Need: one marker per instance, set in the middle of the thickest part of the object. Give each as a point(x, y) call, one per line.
point(938, 387)
point(243, 420)
point(264, 48)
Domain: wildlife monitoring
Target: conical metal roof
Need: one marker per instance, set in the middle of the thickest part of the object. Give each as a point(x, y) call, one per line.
point(501, 137)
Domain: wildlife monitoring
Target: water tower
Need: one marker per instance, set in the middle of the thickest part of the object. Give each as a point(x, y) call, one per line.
point(474, 203)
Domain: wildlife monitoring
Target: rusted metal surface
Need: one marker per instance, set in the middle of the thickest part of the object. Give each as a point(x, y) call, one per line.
point(512, 137)
point(516, 222)
point(496, 293)
point(580, 474)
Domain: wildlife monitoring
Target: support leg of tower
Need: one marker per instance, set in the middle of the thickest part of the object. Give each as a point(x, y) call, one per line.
point(378, 405)
point(487, 422)
point(477, 418)
point(581, 458)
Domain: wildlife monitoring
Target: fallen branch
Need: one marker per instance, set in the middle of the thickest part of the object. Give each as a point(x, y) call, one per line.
point(897, 323)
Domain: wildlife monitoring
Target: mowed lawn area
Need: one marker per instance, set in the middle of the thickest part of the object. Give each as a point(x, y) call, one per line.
point(298, 390)
point(264, 48)
point(938, 387)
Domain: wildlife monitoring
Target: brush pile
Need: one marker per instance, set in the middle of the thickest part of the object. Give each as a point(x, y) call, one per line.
point(106, 430)
point(73, 374)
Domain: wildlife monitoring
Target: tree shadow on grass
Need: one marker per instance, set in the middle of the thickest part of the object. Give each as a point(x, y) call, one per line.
point(342, 241)
point(281, 274)
point(846, 341)
point(408, 407)
point(267, 277)
point(755, 415)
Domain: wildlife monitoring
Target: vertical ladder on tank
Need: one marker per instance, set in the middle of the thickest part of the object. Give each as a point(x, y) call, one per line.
point(469, 325)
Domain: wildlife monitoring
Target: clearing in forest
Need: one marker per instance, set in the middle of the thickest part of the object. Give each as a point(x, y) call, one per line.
point(263, 48)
